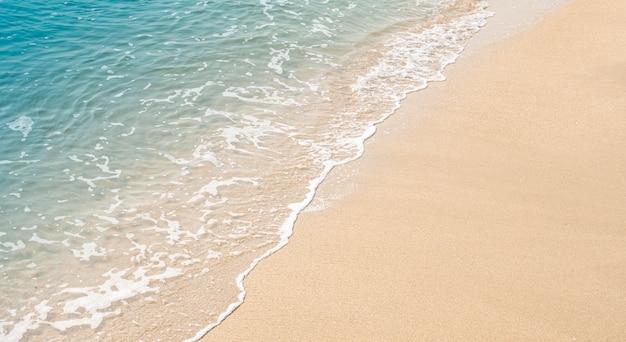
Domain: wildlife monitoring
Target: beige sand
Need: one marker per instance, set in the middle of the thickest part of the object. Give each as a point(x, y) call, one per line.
point(491, 207)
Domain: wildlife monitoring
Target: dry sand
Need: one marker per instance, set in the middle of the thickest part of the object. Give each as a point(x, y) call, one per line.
point(492, 206)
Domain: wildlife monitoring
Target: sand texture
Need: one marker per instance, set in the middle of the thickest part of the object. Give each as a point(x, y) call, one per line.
point(491, 206)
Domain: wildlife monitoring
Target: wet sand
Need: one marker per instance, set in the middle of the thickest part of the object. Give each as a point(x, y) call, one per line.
point(491, 206)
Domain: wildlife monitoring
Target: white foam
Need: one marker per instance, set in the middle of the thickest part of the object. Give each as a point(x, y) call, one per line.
point(90, 249)
point(19, 328)
point(23, 124)
point(37, 239)
point(162, 224)
point(229, 32)
point(13, 246)
point(76, 159)
point(260, 94)
point(109, 219)
point(267, 8)
point(253, 131)
point(278, 58)
point(211, 254)
point(94, 301)
point(204, 152)
point(400, 66)
point(132, 131)
point(415, 59)
point(115, 205)
point(105, 168)
point(214, 185)
point(321, 28)
point(74, 235)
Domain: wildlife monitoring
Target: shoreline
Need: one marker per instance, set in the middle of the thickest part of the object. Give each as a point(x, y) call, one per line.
point(462, 223)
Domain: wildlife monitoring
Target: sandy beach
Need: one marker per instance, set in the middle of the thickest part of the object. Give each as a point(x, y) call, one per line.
point(491, 206)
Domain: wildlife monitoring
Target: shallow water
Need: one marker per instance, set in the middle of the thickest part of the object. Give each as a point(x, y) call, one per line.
point(152, 147)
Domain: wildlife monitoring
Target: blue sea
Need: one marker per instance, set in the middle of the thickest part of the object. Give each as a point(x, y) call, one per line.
point(153, 152)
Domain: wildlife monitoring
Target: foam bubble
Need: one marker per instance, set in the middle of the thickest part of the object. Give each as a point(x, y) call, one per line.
point(13, 246)
point(23, 124)
point(278, 58)
point(89, 250)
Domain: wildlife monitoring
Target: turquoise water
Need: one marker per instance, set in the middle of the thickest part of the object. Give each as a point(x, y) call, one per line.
point(150, 148)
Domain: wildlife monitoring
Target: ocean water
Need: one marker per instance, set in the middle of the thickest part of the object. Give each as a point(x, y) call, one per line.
point(152, 152)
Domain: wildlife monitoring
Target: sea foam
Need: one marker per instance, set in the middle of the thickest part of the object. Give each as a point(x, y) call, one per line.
point(146, 171)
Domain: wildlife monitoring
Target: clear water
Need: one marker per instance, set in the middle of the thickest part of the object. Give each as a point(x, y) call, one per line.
point(152, 152)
